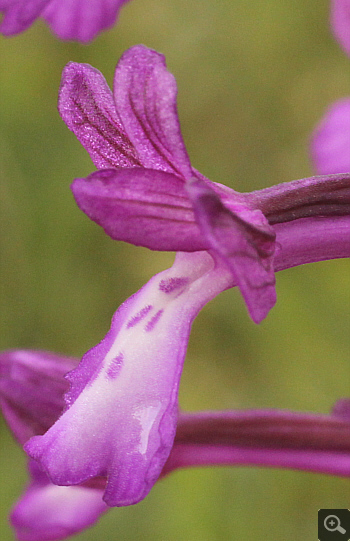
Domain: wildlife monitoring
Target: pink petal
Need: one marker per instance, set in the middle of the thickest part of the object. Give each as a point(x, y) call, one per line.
point(86, 105)
point(145, 96)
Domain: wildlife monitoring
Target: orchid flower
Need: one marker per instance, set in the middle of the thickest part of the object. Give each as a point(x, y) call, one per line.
point(122, 406)
point(147, 193)
point(330, 146)
point(79, 20)
point(31, 398)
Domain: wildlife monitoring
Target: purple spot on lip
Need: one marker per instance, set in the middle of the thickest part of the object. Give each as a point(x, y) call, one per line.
point(115, 366)
point(171, 284)
point(152, 322)
point(139, 316)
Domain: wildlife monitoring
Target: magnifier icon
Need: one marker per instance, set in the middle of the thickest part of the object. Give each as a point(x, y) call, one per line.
point(332, 524)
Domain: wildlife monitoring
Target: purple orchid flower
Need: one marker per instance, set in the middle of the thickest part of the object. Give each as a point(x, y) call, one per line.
point(79, 20)
point(31, 397)
point(146, 191)
point(151, 196)
point(330, 146)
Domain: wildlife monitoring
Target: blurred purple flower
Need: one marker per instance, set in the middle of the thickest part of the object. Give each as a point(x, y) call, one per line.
point(153, 197)
point(31, 397)
point(330, 145)
point(79, 20)
point(340, 22)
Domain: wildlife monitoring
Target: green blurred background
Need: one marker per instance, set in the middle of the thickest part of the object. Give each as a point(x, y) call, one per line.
point(254, 79)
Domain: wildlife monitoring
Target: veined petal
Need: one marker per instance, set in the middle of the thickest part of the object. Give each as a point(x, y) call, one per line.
point(81, 20)
point(330, 146)
point(86, 105)
point(340, 20)
point(47, 512)
point(20, 14)
point(243, 238)
point(141, 206)
point(122, 407)
point(145, 97)
point(32, 386)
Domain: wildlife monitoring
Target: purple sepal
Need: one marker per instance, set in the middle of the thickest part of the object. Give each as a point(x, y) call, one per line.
point(47, 512)
point(145, 98)
point(139, 127)
point(330, 146)
point(340, 21)
point(122, 405)
point(86, 104)
point(79, 20)
point(141, 206)
point(32, 386)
